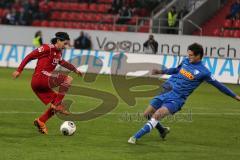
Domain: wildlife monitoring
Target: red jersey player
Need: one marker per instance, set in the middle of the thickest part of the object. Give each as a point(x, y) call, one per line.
point(43, 80)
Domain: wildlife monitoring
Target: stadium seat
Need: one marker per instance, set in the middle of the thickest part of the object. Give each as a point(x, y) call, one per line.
point(227, 23)
point(56, 15)
point(236, 24)
point(226, 33)
point(133, 20)
point(103, 8)
point(45, 23)
point(36, 23)
point(236, 34)
point(83, 7)
point(144, 29)
point(216, 32)
point(122, 28)
point(93, 7)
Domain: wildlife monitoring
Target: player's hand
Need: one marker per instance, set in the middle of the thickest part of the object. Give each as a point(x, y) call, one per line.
point(79, 73)
point(156, 71)
point(237, 98)
point(16, 74)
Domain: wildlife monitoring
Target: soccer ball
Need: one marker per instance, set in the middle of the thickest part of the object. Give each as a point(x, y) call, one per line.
point(68, 128)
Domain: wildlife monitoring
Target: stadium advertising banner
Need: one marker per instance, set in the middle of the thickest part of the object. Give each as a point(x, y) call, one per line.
point(129, 42)
point(225, 70)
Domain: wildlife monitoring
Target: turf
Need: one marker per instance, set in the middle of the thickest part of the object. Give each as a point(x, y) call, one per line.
point(208, 127)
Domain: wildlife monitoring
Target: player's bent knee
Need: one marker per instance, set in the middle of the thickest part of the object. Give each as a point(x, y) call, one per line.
point(69, 80)
point(161, 113)
point(146, 114)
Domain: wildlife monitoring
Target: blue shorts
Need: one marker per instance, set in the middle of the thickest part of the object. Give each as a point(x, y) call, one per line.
point(169, 100)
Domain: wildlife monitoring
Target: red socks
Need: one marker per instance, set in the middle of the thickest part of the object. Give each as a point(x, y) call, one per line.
point(46, 115)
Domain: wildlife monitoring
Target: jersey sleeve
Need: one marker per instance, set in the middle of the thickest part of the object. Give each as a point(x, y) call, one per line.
point(67, 65)
point(35, 54)
point(171, 71)
point(211, 80)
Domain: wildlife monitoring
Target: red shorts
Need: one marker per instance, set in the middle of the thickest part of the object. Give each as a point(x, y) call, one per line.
point(42, 86)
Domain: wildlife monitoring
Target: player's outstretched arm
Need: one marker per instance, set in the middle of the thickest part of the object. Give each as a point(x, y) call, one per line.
point(33, 55)
point(70, 67)
point(168, 71)
point(211, 80)
point(237, 97)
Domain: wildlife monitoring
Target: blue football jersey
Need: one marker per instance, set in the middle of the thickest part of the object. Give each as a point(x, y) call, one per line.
point(188, 76)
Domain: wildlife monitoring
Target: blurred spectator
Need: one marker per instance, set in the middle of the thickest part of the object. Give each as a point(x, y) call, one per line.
point(83, 42)
point(44, 9)
point(6, 3)
point(37, 40)
point(235, 8)
point(12, 17)
point(124, 15)
point(35, 9)
point(150, 46)
point(116, 6)
point(183, 12)
point(24, 17)
point(172, 20)
point(17, 5)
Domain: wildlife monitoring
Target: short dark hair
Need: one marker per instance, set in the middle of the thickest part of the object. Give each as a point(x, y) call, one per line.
point(197, 49)
point(62, 36)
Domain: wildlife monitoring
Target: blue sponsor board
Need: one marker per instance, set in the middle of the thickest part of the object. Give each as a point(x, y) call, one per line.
point(225, 70)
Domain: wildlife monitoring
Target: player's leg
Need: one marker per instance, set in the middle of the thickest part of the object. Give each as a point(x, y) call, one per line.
point(64, 83)
point(149, 111)
point(158, 115)
point(40, 87)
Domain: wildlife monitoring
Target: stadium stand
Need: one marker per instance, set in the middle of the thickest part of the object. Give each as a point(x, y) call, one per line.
point(225, 22)
point(84, 14)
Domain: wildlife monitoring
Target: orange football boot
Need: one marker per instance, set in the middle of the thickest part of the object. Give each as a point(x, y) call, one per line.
point(42, 128)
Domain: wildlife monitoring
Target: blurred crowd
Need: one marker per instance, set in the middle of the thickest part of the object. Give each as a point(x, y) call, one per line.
point(23, 12)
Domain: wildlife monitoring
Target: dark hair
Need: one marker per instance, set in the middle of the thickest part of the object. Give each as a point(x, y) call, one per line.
point(38, 33)
point(62, 36)
point(197, 49)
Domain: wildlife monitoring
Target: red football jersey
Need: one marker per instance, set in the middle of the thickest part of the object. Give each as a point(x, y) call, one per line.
point(48, 58)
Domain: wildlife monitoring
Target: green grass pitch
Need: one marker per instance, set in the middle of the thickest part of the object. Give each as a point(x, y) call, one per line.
point(207, 128)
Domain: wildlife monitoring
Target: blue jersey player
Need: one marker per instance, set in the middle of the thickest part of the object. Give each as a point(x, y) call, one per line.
point(184, 80)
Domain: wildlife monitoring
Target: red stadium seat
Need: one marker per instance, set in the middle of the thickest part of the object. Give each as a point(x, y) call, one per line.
point(103, 8)
point(93, 7)
point(53, 24)
point(144, 29)
point(133, 20)
point(55, 15)
point(99, 17)
point(73, 6)
point(236, 24)
point(226, 33)
point(45, 23)
point(83, 7)
point(236, 34)
point(227, 23)
point(36, 23)
point(60, 24)
point(122, 28)
point(64, 16)
point(216, 32)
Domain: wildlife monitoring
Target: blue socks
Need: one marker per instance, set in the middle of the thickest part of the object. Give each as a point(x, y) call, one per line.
point(146, 128)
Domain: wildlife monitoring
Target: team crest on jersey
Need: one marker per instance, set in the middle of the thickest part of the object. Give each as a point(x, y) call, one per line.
point(186, 74)
point(55, 61)
point(196, 72)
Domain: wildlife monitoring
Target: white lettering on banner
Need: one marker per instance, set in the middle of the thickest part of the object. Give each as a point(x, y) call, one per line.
point(224, 70)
